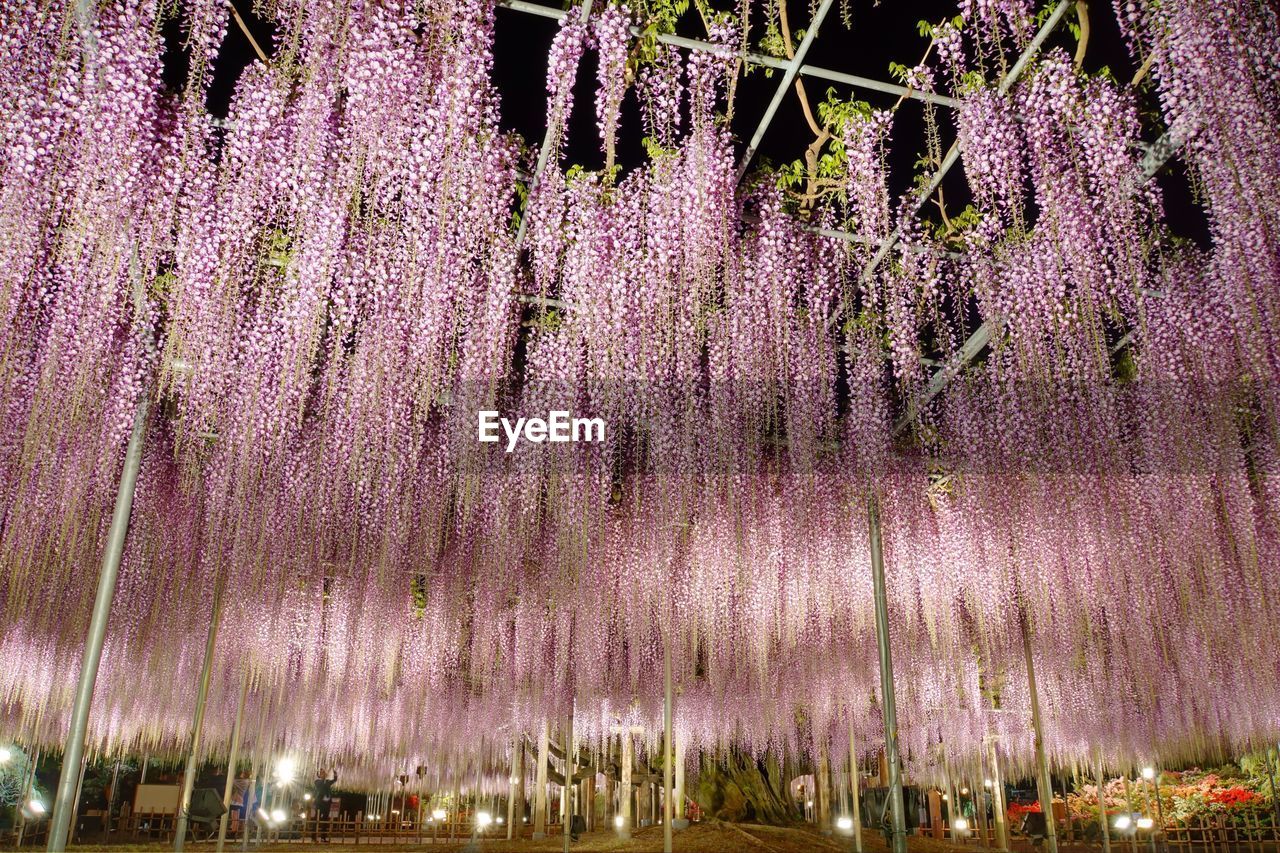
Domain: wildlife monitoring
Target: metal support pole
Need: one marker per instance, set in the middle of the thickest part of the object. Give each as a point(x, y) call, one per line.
point(1273, 756)
point(569, 762)
point(232, 758)
point(26, 798)
point(250, 796)
point(202, 698)
point(890, 710)
point(997, 799)
point(73, 754)
point(111, 801)
point(517, 775)
point(1129, 809)
point(979, 796)
point(954, 808)
point(540, 783)
point(822, 790)
point(1102, 808)
point(624, 786)
point(75, 810)
point(1043, 785)
point(1155, 789)
point(680, 788)
point(668, 753)
point(855, 787)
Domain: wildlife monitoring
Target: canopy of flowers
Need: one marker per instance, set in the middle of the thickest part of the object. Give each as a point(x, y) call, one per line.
point(319, 294)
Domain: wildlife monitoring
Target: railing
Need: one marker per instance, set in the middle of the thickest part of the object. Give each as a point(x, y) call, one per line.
point(345, 828)
point(1245, 832)
point(1239, 833)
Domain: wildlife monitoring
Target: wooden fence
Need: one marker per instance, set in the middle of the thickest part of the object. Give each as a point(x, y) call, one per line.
point(345, 828)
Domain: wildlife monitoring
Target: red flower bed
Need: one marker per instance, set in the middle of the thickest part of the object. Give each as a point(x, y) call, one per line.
point(1017, 810)
point(1234, 796)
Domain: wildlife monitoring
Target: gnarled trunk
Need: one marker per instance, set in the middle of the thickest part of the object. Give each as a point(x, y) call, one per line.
point(742, 789)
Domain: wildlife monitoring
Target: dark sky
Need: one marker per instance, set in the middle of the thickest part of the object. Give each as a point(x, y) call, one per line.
point(881, 33)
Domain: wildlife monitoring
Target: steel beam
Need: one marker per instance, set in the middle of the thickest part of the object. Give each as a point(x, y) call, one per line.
point(953, 154)
point(544, 153)
point(889, 707)
point(202, 697)
point(232, 760)
point(668, 753)
point(1157, 155)
point(759, 59)
point(73, 754)
point(784, 86)
point(1043, 784)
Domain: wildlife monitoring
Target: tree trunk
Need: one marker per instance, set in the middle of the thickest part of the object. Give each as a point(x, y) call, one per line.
point(741, 789)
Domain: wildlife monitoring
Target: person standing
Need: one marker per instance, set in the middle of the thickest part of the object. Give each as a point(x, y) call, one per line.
point(321, 795)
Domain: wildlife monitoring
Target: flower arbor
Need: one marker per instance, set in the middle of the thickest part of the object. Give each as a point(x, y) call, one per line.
point(1024, 448)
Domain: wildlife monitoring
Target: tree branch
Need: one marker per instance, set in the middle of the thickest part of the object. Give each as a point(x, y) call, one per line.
point(791, 54)
point(244, 28)
point(1141, 73)
point(1082, 13)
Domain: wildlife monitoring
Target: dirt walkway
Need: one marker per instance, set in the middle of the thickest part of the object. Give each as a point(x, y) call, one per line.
point(699, 838)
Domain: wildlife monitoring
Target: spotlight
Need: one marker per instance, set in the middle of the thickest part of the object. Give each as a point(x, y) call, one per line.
point(35, 806)
point(964, 790)
point(439, 814)
point(286, 770)
point(960, 825)
point(5, 755)
point(1148, 773)
point(844, 824)
point(278, 815)
point(986, 783)
point(525, 819)
point(1145, 823)
point(306, 797)
point(1123, 822)
point(483, 819)
point(809, 803)
point(618, 821)
point(945, 798)
point(501, 820)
